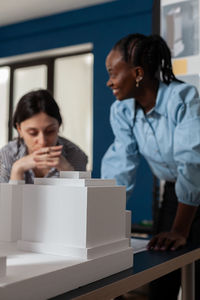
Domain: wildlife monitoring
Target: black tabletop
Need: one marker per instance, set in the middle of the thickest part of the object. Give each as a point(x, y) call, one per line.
point(142, 261)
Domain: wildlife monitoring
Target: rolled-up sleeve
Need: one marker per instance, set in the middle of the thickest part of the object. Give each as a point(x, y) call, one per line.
point(122, 158)
point(187, 148)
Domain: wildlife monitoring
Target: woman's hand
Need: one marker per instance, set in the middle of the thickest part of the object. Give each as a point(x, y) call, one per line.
point(167, 241)
point(53, 158)
point(177, 237)
point(44, 158)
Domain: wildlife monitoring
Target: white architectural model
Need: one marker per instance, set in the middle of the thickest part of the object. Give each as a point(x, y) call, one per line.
point(2, 266)
point(10, 211)
point(82, 220)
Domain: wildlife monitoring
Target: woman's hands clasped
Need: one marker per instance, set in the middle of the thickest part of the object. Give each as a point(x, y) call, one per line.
point(41, 161)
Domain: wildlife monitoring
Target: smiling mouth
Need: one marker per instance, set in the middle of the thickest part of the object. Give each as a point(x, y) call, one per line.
point(115, 91)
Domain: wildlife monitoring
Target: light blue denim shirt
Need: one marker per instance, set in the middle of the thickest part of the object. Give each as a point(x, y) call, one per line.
point(168, 137)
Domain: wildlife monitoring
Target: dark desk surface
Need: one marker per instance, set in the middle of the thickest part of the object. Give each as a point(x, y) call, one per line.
point(148, 265)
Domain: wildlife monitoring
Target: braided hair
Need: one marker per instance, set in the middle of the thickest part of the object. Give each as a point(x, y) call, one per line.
point(149, 52)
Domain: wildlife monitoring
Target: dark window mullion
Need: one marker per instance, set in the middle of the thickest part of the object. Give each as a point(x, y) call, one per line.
point(50, 75)
point(11, 95)
point(156, 17)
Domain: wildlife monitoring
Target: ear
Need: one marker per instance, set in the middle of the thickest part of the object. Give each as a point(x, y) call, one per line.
point(19, 130)
point(139, 72)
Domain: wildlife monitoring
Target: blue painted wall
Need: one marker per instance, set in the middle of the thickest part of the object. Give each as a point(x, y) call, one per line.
point(102, 25)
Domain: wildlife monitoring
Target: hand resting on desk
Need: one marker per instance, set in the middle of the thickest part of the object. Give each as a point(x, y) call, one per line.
point(166, 241)
point(178, 235)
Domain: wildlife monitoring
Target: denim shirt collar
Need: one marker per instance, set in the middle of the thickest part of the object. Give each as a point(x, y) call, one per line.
point(160, 106)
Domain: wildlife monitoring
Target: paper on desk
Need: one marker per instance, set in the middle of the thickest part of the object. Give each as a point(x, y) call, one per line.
point(139, 245)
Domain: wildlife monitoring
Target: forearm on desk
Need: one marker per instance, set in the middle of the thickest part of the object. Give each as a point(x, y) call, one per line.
point(183, 219)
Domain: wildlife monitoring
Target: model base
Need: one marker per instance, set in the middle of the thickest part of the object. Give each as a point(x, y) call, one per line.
point(37, 276)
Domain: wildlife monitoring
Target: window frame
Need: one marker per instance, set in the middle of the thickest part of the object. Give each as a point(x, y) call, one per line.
point(49, 62)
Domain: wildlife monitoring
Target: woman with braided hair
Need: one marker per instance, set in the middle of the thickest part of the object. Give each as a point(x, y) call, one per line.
point(156, 116)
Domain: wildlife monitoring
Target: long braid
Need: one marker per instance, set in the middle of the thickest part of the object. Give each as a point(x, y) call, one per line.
point(151, 53)
point(164, 59)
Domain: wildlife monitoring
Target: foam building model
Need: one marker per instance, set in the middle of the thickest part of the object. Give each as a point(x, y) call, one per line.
point(74, 219)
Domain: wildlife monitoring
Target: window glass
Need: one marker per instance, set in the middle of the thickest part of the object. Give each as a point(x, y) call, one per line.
point(27, 79)
point(73, 84)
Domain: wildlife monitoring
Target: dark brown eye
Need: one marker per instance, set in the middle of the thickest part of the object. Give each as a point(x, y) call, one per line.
point(50, 131)
point(32, 133)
